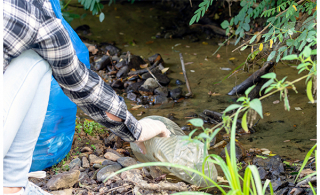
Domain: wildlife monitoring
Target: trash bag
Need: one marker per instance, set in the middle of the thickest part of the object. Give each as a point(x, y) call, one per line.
point(175, 149)
point(57, 132)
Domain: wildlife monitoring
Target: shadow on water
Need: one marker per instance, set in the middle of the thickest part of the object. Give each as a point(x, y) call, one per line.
point(139, 22)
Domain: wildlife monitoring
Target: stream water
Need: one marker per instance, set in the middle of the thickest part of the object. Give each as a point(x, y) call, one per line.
point(140, 21)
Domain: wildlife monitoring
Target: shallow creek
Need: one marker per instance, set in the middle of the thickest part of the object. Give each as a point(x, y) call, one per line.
point(140, 21)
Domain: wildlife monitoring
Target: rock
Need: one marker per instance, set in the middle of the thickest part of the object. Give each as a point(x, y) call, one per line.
point(239, 151)
point(176, 93)
point(106, 171)
point(162, 78)
point(179, 82)
point(127, 83)
point(95, 160)
point(134, 87)
point(132, 175)
point(112, 50)
point(110, 140)
point(108, 162)
point(62, 192)
point(135, 62)
point(186, 128)
point(142, 100)
point(123, 72)
point(63, 180)
point(102, 63)
point(82, 28)
point(114, 152)
point(86, 149)
point(150, 84)
point(275, 165)
point(156, 57)
point(277, 184)
point(83, 155)
point(75, 162)
point(132, 96)
point(98, 151)
point(97, 166)
point(163, 91)
point(111, 156)
point(145, 91)
point(117, 84)
point(85, 162)
point(84, 178)
point(126, 161)
point(297, 191)
point(262, 173)
point(159, 99)
point(121, 64)
point(155, 172)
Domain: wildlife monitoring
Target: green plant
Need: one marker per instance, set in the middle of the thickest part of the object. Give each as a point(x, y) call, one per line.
point(93, 146)
point(89, 127)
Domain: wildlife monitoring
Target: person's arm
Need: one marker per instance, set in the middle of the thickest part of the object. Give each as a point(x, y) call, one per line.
point(83, 86)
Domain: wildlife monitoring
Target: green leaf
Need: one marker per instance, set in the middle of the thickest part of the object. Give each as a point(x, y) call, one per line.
point(255, 104)
point(266, 85)
point(193, 19)
point(225, 24)
point(306, 52)
point(197, 122)
point(252, 39)
point(270, 75)
point(249, 89)
point(101, 16)
point(290, 57)
point(232, 107)
point(231, 22)
point(314, 52)
point(271, 56)
point(309, 91)
point(286, 102)
point(244, 47)
point(246, 27)
point(203, 135)
point(244, 122)
point(241, 99)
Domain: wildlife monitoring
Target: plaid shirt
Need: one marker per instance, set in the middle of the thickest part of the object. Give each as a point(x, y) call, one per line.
point(32, 24)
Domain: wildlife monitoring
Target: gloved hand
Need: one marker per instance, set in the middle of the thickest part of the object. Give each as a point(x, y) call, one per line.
point(150, 129)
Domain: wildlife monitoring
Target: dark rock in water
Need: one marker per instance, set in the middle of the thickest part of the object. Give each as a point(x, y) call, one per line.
point(112, 50)
point(123, 72)
point(163, 91)
point(117, 84)
point(121, 64)
point(191, 115)
point(145, 91)
point(115, 59)
point(102, 63)
point(135, 62)
point(134, 87)
point(171, 116)
point(162, 78)
point(179, 82)
point(83, 29)
point(263, 173)
point(159, 99)
point(126, 161)
point(132, 96)
point(127, 83)
point(156, 57)
point(142, 100)
point(239, 151)
point(283, 191)
point(148, 75)
point(186, 128)
point(176, 93)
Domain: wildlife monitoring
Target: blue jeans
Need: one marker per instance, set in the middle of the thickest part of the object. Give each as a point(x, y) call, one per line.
point(26, 89)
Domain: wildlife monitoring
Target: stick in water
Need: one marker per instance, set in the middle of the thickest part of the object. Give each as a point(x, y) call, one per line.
point(185, 76)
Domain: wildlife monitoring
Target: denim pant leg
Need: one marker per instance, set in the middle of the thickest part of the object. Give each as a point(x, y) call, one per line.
point(26, 89)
